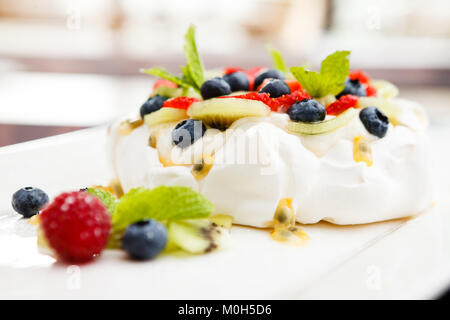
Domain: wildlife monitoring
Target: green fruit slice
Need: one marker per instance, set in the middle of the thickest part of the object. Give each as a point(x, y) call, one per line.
point(385, 89)
point(324, 126)
point(165, 115)
point(197, 236)
point(222, 112)
point(175, 92)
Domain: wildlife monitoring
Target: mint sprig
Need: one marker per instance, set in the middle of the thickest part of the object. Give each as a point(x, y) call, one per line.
point(331, 79)
point(193, 73)
point(107, 198)
point(277, 59)
point(162, 73)
point(194, 66)
point(162, 203)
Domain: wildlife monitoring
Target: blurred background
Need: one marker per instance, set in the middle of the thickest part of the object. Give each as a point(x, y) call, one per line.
point(71, 64)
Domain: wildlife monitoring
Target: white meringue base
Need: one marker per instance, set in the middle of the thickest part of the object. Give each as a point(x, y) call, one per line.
point(317, 172)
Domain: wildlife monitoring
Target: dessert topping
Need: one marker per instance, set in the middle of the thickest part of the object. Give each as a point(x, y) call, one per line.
point(344, 103)
point(375, 121)
point(29, 201)
point(307, 110)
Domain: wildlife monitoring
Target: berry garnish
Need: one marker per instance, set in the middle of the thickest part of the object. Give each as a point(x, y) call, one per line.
point(76, 226)
point(353, 87)
point(28, 201)
point(215, 87)
point(359, 75)
point(230, 70)
point(375, 121)
point(293, 85)
point(307, 110)
point(152, 104)
point(238, 81)
point(180, 102)
point(187, 132)
point(251, 74)
point(371, 91)
point(344, 103)
point(275, 88)
point(144, 239)
point(164, 83)
point(270, 73)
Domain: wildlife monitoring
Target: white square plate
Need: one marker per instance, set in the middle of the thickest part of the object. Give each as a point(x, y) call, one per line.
point(395, 259)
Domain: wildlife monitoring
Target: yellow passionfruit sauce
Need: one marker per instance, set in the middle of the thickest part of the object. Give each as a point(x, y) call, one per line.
point(113, 187)
point(201, 170)
point(362, 152)
point(284, 228)
point(127, 126)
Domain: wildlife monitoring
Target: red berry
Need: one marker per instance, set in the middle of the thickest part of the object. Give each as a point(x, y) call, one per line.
point(179, 102)
point(76, 225)
point(359, 75)
point(251, 74)
point(164, 83)
point(279, 104)
point(344, 103)
point(293, 84)
point(371, 91)
point(230, 70)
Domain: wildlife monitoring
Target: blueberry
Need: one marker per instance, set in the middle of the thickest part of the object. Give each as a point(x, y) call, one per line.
point(28, 201)
point(353, 87)
point(375, 121)
point(268, 74)
point(187, 132)
point(276, 88)
point(152, 104)
point(215, 87)
point(238, 81)
point(307, 110)
point(144, 239)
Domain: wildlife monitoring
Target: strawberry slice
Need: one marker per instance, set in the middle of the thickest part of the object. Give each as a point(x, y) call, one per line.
point(345, 102)
point(179, 102)
point(359, 75)
point(293, 84)
point(371, 91)
point(164, 83)
point(280, 104)
point(230, 70)
point(251, 74)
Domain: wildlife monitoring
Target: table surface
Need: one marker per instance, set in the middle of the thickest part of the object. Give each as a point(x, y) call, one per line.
point(395, 259)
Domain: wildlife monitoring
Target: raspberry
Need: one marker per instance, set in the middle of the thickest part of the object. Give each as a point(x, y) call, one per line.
point(230, 70)
point(179, 102)
point(76, 225)
point(344, 103)
point(164, 83)
point(359, 75)
point(371, 91)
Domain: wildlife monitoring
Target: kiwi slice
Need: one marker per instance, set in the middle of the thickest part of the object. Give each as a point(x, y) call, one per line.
point(175, 92)
point(164, 115)
point(220, 113)
point(389, 107)
point(323, 126)
point(197, 236)
point(385, 89)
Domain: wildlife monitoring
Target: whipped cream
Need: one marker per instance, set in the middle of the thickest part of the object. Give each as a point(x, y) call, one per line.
point(257, 163)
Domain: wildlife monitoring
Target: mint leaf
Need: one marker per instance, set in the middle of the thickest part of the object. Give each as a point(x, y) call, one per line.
point(335, 69)
point(162, 203)
point(107, 198)
point(160, 72)
point(331, 79)
point(277, 59)
point(194, 66)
